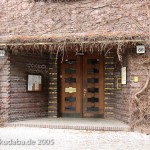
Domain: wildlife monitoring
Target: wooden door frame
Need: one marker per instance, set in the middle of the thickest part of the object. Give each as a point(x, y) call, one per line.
point(59, 88)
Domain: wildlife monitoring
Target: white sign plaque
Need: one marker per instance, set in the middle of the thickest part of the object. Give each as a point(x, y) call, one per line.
point(140, 49)
point(123, 75)
point(2, 53)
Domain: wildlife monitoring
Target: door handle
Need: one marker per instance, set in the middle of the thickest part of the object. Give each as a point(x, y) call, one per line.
point(84, 92)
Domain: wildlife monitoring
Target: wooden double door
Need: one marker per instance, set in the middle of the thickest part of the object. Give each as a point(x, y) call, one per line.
point(82, 86)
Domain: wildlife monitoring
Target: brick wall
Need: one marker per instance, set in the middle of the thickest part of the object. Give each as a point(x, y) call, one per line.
point(121, 111)
point(137, 68)
point(18, 104)
point(123, 96)
point(30, 18)
point(4, 88)
point(25, 104)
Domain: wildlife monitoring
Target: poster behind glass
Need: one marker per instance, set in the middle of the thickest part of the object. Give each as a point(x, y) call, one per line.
point(34, 83)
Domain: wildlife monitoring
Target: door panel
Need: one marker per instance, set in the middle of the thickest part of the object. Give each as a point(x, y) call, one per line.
point(82, 86)
point(93, 86)
point(70, 87)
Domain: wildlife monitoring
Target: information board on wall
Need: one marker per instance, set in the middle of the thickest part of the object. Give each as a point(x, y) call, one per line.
point(34, 83)
point(123, 75)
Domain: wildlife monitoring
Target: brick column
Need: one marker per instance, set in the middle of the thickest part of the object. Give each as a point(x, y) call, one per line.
point(53, 98)
point(4, 88)
point(109, 85)
point(121, 108)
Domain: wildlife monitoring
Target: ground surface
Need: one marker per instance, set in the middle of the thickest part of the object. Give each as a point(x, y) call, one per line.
point(61, 139)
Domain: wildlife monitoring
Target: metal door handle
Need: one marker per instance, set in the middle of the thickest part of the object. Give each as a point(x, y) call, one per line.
point(84, 92)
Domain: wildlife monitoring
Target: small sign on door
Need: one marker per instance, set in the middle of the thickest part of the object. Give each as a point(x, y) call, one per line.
point(70, 90)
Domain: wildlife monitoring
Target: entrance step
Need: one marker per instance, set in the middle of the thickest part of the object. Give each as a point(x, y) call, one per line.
point(96, 124)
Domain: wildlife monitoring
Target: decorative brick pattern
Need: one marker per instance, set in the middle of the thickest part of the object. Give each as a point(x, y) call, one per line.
point(53, 88)
point(109, 84)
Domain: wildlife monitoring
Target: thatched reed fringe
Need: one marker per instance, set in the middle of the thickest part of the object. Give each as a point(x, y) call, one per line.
point(78, 42)
point(61, 49)
point(61, 45)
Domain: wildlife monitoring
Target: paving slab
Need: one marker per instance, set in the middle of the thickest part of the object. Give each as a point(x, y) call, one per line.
point(64, 139)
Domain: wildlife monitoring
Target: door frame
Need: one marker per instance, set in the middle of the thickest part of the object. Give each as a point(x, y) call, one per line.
point(82, 102)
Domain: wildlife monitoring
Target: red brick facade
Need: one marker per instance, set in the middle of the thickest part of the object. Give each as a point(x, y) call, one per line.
point(32, 22)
